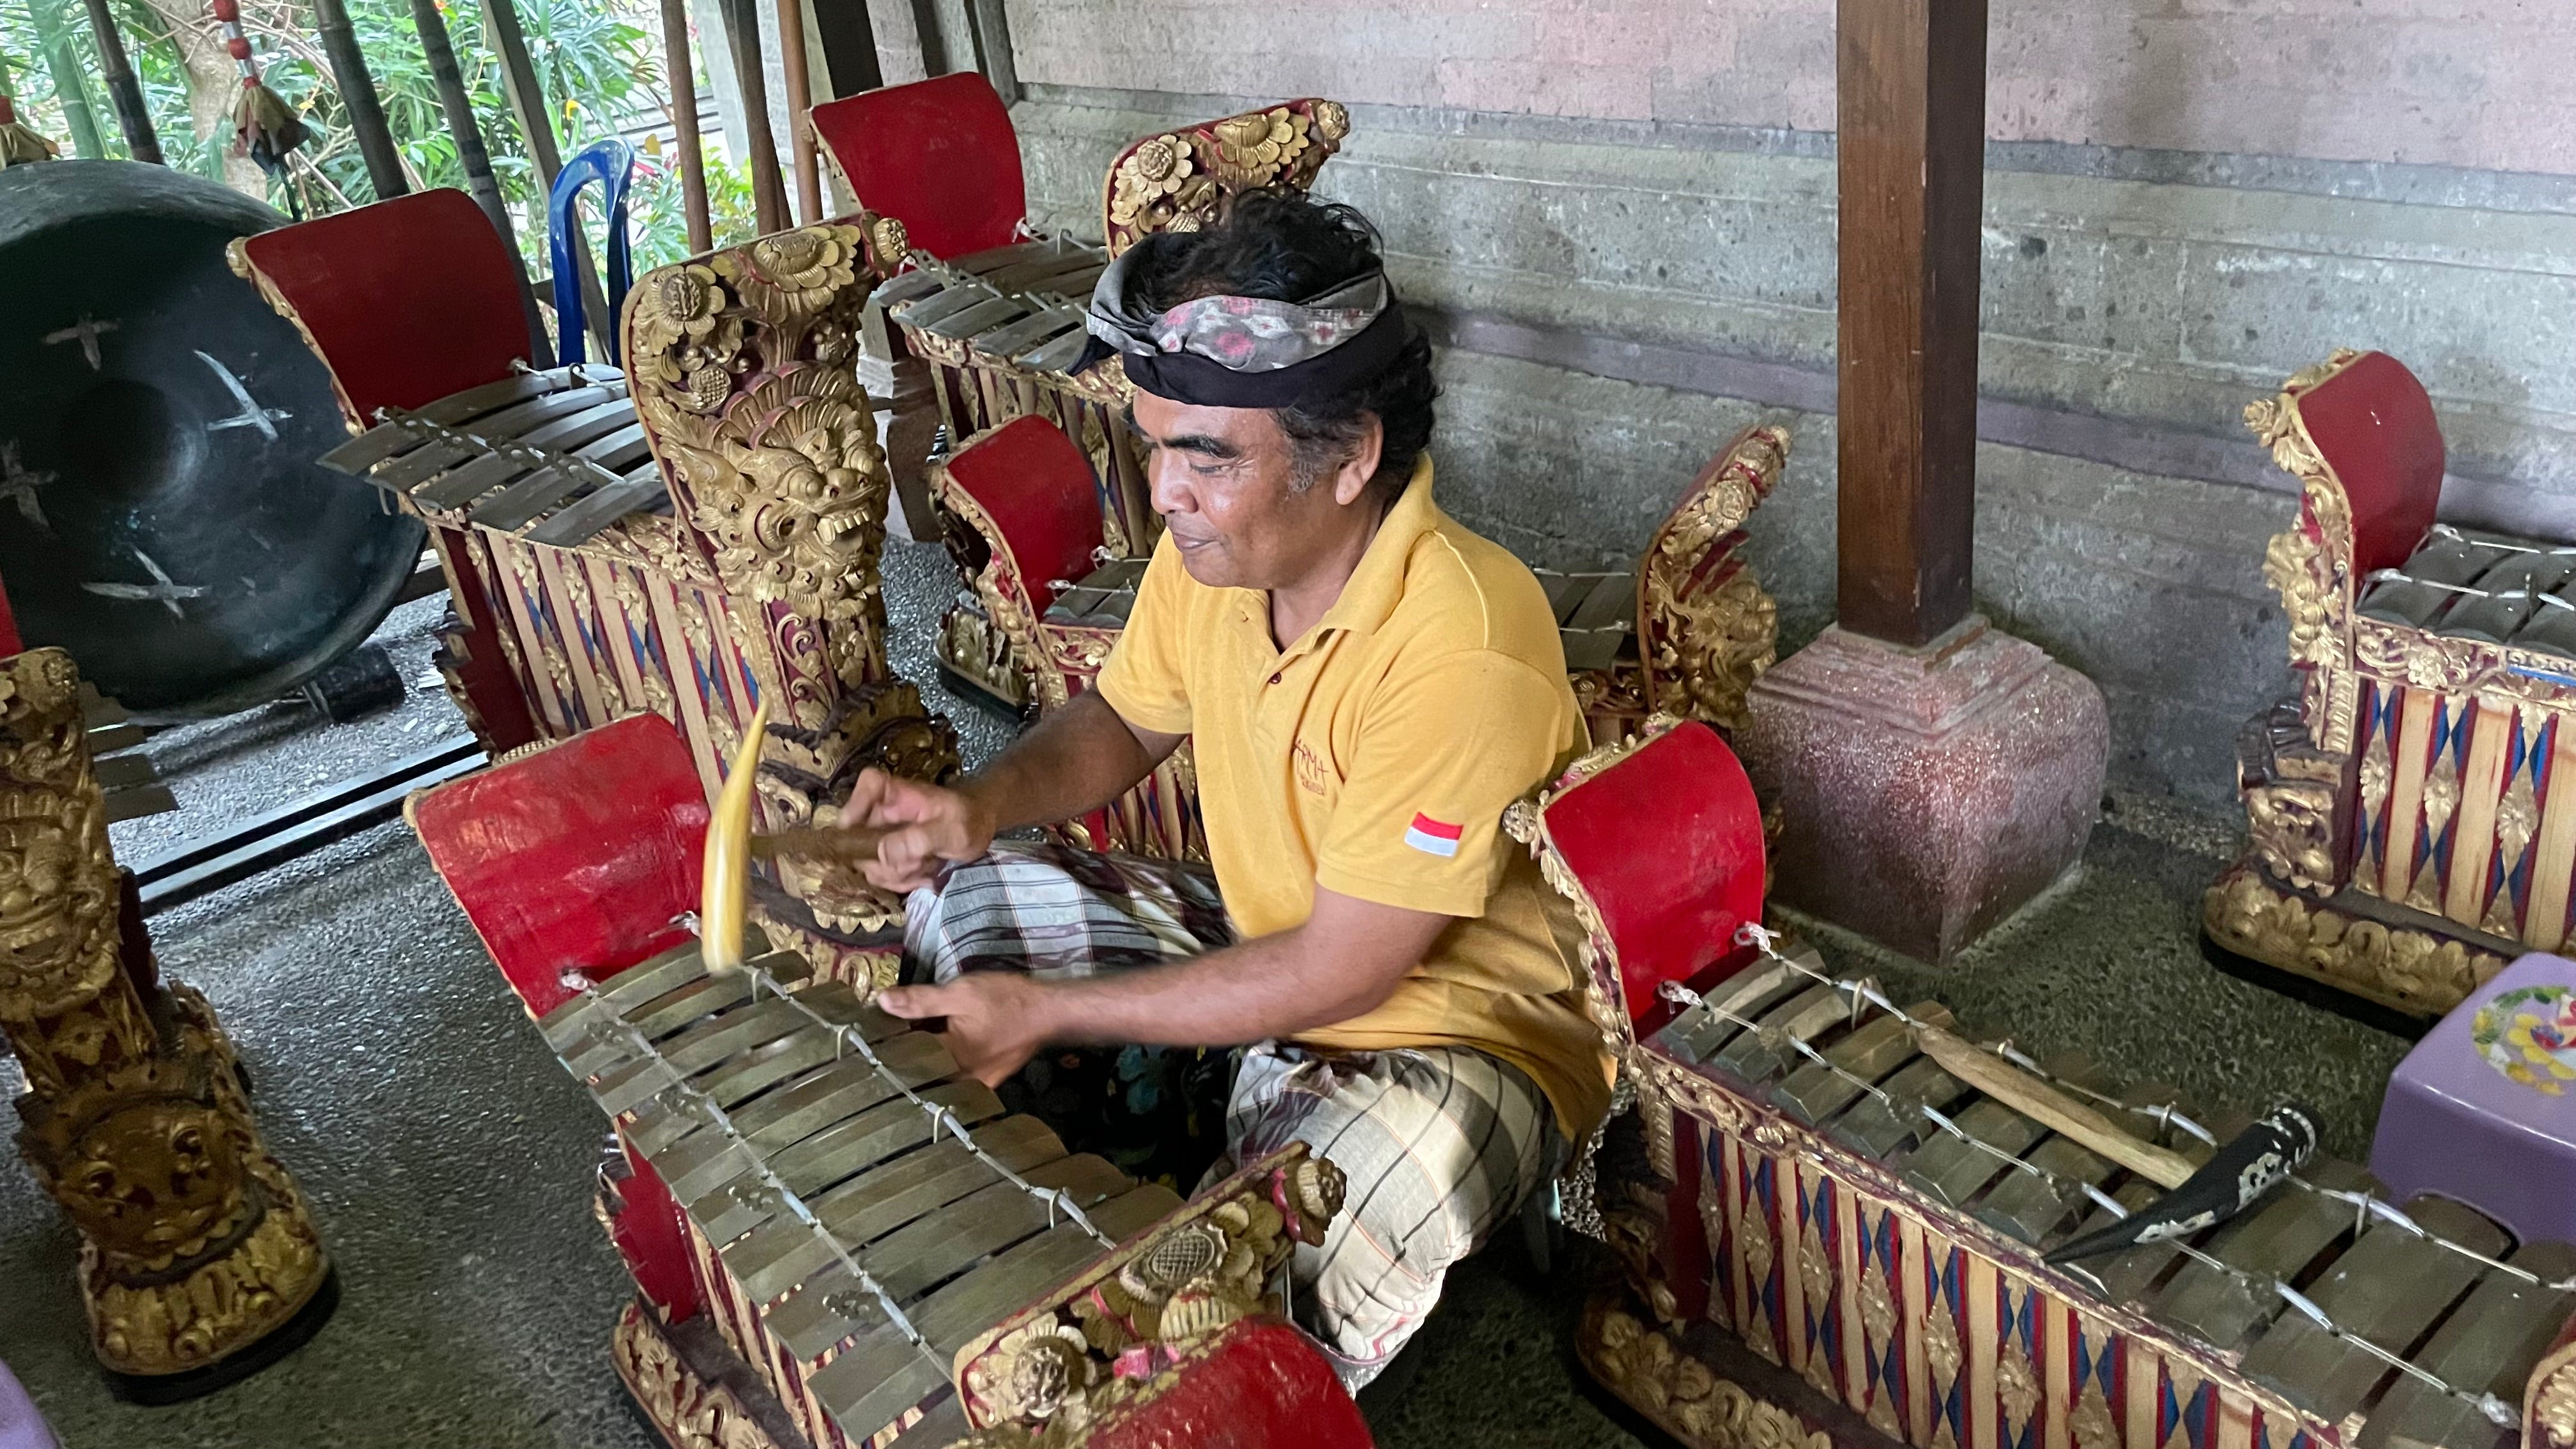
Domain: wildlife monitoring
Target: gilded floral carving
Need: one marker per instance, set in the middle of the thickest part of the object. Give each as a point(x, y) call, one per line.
point(2408, 969)
point(1050, 1369)
point(2016, 1386)
point(1707, 630)
point(2292, 566)
point(1642, 1365)
point(2292, 826)
point(1177, 180)
point(1877, 1310)
point(2553, 1406)
point(1941, 1347)
point(691, 1412)
point(194, 1242)
point(2092, 1422)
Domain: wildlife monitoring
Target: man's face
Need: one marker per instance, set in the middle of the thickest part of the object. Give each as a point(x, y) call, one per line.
point(1223, 480)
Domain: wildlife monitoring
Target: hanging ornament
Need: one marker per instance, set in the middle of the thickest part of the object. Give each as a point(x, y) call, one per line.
point(265, 127)
point(19, 142)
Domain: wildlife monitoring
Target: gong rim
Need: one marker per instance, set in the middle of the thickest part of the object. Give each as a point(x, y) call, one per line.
point(186, 426)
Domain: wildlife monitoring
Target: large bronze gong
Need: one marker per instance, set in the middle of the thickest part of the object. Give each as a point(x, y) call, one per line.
point(160, 512)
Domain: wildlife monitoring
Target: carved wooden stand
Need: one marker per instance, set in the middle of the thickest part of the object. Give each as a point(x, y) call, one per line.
point(199, 1262)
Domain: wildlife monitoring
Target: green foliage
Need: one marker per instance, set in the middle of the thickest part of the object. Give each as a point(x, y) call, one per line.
point(599, 62)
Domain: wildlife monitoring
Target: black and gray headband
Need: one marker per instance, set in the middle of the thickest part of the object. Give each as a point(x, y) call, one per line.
point(1246, 352)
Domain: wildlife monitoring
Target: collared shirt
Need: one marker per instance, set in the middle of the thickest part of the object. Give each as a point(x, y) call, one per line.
point(1375, 756)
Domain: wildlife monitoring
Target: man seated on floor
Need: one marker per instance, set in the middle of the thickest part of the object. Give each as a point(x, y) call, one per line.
point(1368, 685)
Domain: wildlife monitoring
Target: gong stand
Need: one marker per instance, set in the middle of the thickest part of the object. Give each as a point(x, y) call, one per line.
point(1933, 773)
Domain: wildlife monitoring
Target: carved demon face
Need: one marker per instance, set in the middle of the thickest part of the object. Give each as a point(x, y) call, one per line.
point(154, 1178)
point(53, 892)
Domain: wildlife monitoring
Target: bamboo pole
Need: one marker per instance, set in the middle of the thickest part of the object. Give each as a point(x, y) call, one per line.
point(768, 196)
point(71, 85)
point(124, 92)
point(477, 162)
point(358, 94)
point(800, 102)
point(683, 81)
point(537, 126)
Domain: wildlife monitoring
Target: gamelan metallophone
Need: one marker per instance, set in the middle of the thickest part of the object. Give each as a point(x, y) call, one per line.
point(838, 1238)
point(2410, 835)
point(1686, 631)
point(684, 539)
point(1828, 1214)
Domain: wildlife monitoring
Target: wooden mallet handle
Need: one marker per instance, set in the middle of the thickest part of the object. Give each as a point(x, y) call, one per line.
point(831, 842)
point(2051, 1108)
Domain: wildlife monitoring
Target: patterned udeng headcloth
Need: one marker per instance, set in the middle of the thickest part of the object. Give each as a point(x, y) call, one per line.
point(1246, 352)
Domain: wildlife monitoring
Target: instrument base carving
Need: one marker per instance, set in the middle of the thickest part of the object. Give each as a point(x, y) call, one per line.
point(2391, 957)
point(692, 1389)
point(1695, 1387)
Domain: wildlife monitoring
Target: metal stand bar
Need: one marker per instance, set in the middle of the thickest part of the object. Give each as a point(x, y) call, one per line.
point(192, 869)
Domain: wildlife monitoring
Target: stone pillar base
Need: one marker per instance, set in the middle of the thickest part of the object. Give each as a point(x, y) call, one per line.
point(1925, 793)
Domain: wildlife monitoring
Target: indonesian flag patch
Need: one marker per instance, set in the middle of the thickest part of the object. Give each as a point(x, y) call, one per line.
point(1433, 837)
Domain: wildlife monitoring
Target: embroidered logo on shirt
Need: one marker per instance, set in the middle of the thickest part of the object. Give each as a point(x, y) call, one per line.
point(1433, 837)
point(1310, 771)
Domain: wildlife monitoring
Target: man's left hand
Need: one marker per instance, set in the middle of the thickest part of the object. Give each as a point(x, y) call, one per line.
point(995, 1019)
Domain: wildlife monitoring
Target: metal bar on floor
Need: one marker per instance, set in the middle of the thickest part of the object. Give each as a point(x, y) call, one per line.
point(196, 867)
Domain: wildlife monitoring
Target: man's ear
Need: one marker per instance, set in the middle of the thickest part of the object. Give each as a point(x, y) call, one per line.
point(1352, 479)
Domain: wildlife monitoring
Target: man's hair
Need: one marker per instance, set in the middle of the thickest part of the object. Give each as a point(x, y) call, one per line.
point(1286, 246)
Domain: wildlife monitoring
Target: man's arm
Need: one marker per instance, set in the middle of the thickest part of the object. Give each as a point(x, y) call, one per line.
point(1345, 960)
point(1078, 758)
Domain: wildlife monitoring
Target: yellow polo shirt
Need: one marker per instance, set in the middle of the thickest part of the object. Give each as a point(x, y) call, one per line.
point(1375, 755)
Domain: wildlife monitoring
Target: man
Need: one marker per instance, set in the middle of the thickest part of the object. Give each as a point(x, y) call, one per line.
point(1368, 685)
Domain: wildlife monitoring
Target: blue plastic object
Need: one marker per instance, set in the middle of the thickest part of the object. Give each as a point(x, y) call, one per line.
point(612, 164)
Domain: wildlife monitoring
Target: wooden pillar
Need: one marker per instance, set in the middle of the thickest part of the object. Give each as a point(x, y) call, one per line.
point(768, 195)
point(682, 74)
point(1911, 86)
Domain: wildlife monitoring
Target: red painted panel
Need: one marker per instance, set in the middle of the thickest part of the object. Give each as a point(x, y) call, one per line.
point(2375, 427)
point(408, 301)
point(1037, 488)
point(575, 858)
point(649, 1234)
point(939, 155)
point(1260, 1385)
point(1668, 843)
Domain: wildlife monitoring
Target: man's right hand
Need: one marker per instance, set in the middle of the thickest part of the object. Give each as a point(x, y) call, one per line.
point(924, 825)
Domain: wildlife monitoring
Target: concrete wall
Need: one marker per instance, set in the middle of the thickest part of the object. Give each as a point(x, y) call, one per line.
point(1620, 219)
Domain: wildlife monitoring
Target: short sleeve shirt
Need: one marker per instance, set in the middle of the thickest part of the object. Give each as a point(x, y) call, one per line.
point(1375, 756)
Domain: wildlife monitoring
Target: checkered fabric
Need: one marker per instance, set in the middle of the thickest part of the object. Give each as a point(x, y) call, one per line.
point(1440, 1144)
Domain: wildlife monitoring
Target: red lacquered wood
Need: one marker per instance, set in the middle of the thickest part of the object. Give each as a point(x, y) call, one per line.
point(649, 1234)
point(576, 859)
point(2374, 425)
point(484, 674)
point(1037, 489)
point(1668, 844)
point(407, 301)
point(1260, 1384)
point(939, 155)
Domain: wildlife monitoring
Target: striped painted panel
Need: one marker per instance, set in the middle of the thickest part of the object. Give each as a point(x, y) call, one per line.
point(1938, 1342)
point(2456, 816)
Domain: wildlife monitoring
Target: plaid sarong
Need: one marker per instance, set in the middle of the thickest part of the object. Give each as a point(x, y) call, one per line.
point(1439, 1143)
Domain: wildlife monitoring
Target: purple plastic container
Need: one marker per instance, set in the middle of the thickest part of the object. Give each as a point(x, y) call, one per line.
point(2484, 1108)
